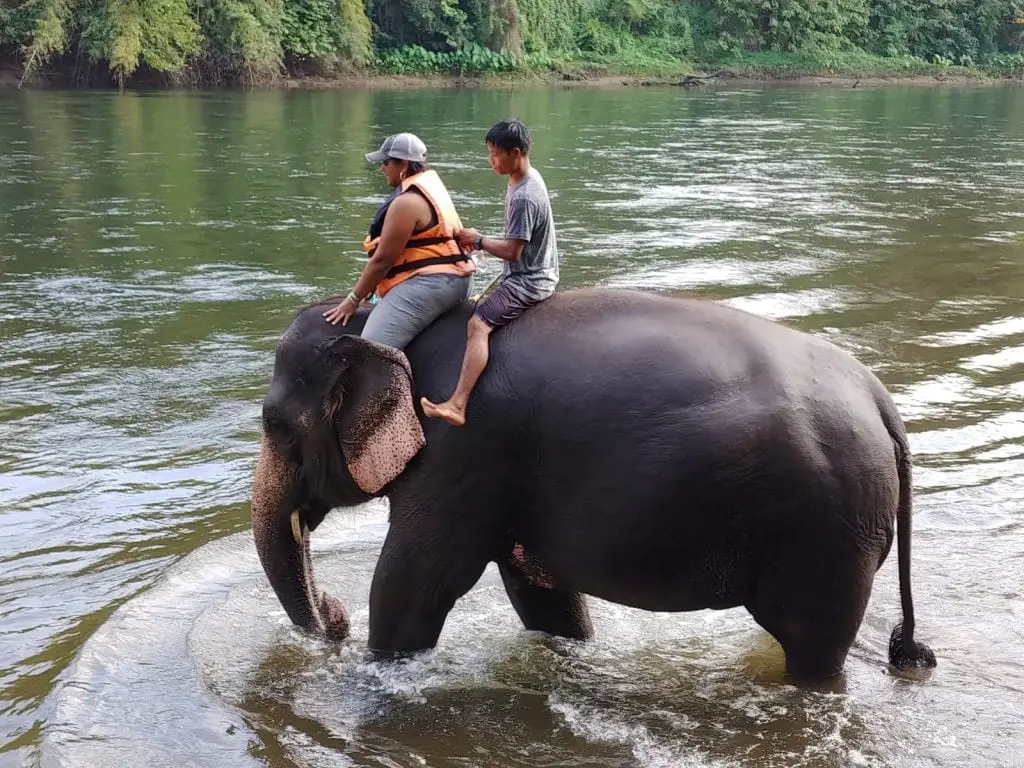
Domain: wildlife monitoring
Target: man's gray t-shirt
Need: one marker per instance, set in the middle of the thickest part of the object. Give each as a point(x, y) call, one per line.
point(528, 217)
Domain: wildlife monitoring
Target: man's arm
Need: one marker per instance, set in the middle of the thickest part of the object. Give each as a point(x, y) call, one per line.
point(506, 250)
point(521, 217)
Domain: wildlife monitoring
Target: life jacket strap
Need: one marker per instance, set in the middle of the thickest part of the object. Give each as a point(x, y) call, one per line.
point(420, 263)
point(419, 241)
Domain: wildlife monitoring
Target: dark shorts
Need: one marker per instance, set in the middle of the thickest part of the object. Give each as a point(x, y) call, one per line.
point(503, 306)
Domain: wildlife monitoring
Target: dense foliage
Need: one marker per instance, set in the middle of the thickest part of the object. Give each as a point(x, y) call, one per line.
point(204, 40)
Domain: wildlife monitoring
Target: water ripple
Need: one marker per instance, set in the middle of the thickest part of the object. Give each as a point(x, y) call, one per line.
point(141, 294)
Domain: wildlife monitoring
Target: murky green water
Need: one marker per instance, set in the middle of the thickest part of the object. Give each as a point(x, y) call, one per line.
point(153, 246)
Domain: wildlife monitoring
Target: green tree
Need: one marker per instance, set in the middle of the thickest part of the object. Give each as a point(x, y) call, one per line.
point(787, 25)
point(125, 33)
point(433, 24)
point(255, 40)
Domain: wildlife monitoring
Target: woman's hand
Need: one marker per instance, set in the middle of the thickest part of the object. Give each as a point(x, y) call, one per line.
point(342, 312)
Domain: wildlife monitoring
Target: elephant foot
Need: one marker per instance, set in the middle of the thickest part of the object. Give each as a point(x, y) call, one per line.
point(334, 617)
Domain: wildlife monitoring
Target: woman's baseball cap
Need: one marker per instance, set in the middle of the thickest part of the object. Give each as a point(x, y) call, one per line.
point(401, 146)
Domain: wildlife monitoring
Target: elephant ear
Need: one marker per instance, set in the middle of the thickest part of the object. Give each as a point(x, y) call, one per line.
point(370, 404)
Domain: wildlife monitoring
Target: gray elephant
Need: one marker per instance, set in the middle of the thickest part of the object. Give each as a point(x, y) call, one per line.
point(661, 453)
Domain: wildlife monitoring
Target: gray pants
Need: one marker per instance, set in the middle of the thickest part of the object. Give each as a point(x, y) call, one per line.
point(412, 305)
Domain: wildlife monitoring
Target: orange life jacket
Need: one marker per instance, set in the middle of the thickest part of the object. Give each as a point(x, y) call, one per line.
point(432, 251)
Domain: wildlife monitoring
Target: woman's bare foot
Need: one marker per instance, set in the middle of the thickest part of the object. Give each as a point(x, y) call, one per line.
point(448, 411)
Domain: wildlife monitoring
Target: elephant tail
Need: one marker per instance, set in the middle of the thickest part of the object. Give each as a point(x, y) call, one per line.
point(904, 652)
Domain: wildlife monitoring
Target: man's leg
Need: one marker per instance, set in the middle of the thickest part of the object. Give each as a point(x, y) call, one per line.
point(473, 364)
point(499, 309)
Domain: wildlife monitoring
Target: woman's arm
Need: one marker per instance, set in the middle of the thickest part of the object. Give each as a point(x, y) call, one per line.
point(399, 223)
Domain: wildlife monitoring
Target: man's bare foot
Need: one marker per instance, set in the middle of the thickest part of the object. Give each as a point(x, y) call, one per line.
point(452, 414)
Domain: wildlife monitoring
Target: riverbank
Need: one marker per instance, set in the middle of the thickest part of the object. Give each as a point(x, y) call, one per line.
point(861, 71)
point(700, 78)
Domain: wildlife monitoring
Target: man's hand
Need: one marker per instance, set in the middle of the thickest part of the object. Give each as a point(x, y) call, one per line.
point(466, 238)
point(342, 312)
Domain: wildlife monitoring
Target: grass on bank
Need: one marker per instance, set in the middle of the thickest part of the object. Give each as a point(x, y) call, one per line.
point(648, 57)
point(856, 63)
point(655, 61)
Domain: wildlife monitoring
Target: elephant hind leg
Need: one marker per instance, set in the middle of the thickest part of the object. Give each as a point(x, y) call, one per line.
point(815, 624)
point(544, 609)
point(811, 654)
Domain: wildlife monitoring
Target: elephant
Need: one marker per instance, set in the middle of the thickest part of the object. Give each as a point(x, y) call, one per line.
point(665, 453)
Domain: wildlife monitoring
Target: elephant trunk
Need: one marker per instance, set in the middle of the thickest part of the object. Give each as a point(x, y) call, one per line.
point(282, 541)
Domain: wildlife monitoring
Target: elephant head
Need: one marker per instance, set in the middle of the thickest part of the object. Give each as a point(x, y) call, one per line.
point(339, 425)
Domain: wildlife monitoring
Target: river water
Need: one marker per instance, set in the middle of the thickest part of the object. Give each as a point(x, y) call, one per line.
point(152, 247)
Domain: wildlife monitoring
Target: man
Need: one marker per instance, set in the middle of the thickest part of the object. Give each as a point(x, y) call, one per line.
point(529, 251)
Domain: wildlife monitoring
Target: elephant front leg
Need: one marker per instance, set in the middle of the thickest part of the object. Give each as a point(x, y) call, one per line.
point(418, 578)
point(546, 609)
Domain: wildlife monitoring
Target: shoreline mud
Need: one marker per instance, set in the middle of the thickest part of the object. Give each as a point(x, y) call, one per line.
point(11, 77)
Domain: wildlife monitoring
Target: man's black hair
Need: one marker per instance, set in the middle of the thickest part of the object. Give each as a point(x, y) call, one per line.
point(509, 135)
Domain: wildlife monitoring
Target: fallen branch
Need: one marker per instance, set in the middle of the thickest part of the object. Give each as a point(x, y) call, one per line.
point(28, 66)
point(691, 80)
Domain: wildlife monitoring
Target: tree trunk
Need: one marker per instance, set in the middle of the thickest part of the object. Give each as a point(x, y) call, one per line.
point(507, 37)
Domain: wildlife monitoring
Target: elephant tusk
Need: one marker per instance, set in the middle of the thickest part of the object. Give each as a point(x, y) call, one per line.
point(297, 532)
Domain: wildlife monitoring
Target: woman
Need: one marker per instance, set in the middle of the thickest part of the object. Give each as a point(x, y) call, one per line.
point(416, 266)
